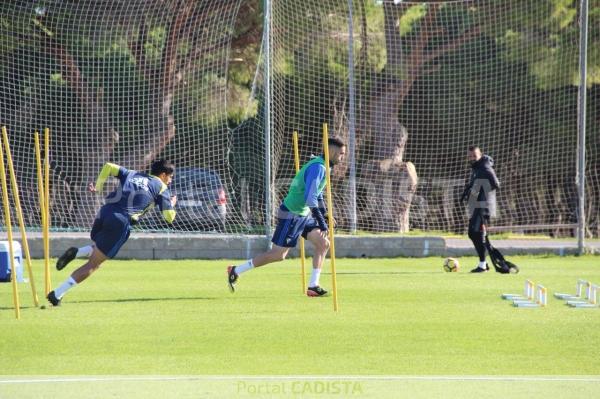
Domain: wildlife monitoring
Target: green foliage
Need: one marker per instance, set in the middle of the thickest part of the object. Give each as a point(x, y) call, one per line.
point(593, 44)
point(375, 46)
point(544, 43)
point(154, 45)
point(564, 13)
point(58, 79)
point(411, 17)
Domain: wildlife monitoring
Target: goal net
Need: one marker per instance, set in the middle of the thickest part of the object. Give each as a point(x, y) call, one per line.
point(122, 81)
point(431, 79)
point(409, 85)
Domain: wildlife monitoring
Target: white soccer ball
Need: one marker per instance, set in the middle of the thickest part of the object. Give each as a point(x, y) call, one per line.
point(451, 265)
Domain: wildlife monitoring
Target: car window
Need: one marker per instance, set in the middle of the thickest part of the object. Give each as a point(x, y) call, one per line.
point(199, 180)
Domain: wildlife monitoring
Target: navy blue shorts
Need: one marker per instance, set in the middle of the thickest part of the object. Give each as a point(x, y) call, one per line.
point(291, 226)
point(110, 231)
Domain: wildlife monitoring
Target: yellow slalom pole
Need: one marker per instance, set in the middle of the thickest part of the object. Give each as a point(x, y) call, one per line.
point(46, 234)
point(330, 217)
point(18, 209)
point(7, 221)
point(40, 179)
point(38, 160)
point(302, 251)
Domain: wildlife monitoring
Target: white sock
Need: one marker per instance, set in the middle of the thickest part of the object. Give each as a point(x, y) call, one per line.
point(482, 265)
point(314, 277)
point(84, 251)
point(64, 287)
point(244, 267)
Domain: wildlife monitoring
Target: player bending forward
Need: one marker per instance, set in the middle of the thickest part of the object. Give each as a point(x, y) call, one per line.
point(137, 193)
point(301, 213)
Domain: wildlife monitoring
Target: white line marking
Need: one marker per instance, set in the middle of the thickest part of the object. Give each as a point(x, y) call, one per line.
point(17, 380)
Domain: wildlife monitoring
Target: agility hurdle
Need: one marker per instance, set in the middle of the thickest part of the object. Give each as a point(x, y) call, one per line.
point(534, 296)
point(586, 295)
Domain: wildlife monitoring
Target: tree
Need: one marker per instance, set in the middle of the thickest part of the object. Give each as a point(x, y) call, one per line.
point(381, 129)
point(168, 42)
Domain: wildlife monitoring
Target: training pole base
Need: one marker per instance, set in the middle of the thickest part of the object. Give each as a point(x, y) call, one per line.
point(512, 297)
point(575, 304)
point(526, 304)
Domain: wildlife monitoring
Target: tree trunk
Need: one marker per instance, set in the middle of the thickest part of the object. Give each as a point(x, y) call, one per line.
point(160, 129)
point(390, 188)
point(385, 170)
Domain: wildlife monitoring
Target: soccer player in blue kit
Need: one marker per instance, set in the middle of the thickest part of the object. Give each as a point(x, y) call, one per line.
point(302, 213)
point(136, 193)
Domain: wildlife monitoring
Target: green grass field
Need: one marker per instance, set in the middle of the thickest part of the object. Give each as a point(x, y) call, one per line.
point(401, 317)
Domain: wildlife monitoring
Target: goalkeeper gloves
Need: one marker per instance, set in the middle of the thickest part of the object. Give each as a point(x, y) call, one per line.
point(319, 218)
point(465, 195)
point(323, 212)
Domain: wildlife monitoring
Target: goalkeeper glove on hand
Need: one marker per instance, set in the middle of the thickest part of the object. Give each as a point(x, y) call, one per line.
point(465, 195)
point(326, 216)
point(319, 218)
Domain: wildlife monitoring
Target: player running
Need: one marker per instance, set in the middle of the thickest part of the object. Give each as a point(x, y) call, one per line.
point(301, 213)
point(136, 194)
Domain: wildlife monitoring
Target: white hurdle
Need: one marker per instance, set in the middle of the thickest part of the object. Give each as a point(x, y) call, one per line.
point(578, 295)
point(534, 296)
point(542, 295)
point(587, 298)
point(528, 292)
point(591, 298)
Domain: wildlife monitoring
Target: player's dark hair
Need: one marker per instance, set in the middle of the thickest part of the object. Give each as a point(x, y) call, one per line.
point(336, 141)
point(473, 148)
point(162, 166)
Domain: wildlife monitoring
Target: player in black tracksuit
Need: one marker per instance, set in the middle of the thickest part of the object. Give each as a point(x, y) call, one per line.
point(480, 194)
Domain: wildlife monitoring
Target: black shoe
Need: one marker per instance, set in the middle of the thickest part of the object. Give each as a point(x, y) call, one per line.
point(53, 299)
point(315, 291)
point(480, 270)
point(65, 258)
point(232, 277)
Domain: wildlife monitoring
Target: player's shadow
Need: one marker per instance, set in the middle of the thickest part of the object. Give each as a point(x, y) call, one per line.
point(124, 300)
point(382, 273)
point(20, 307)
